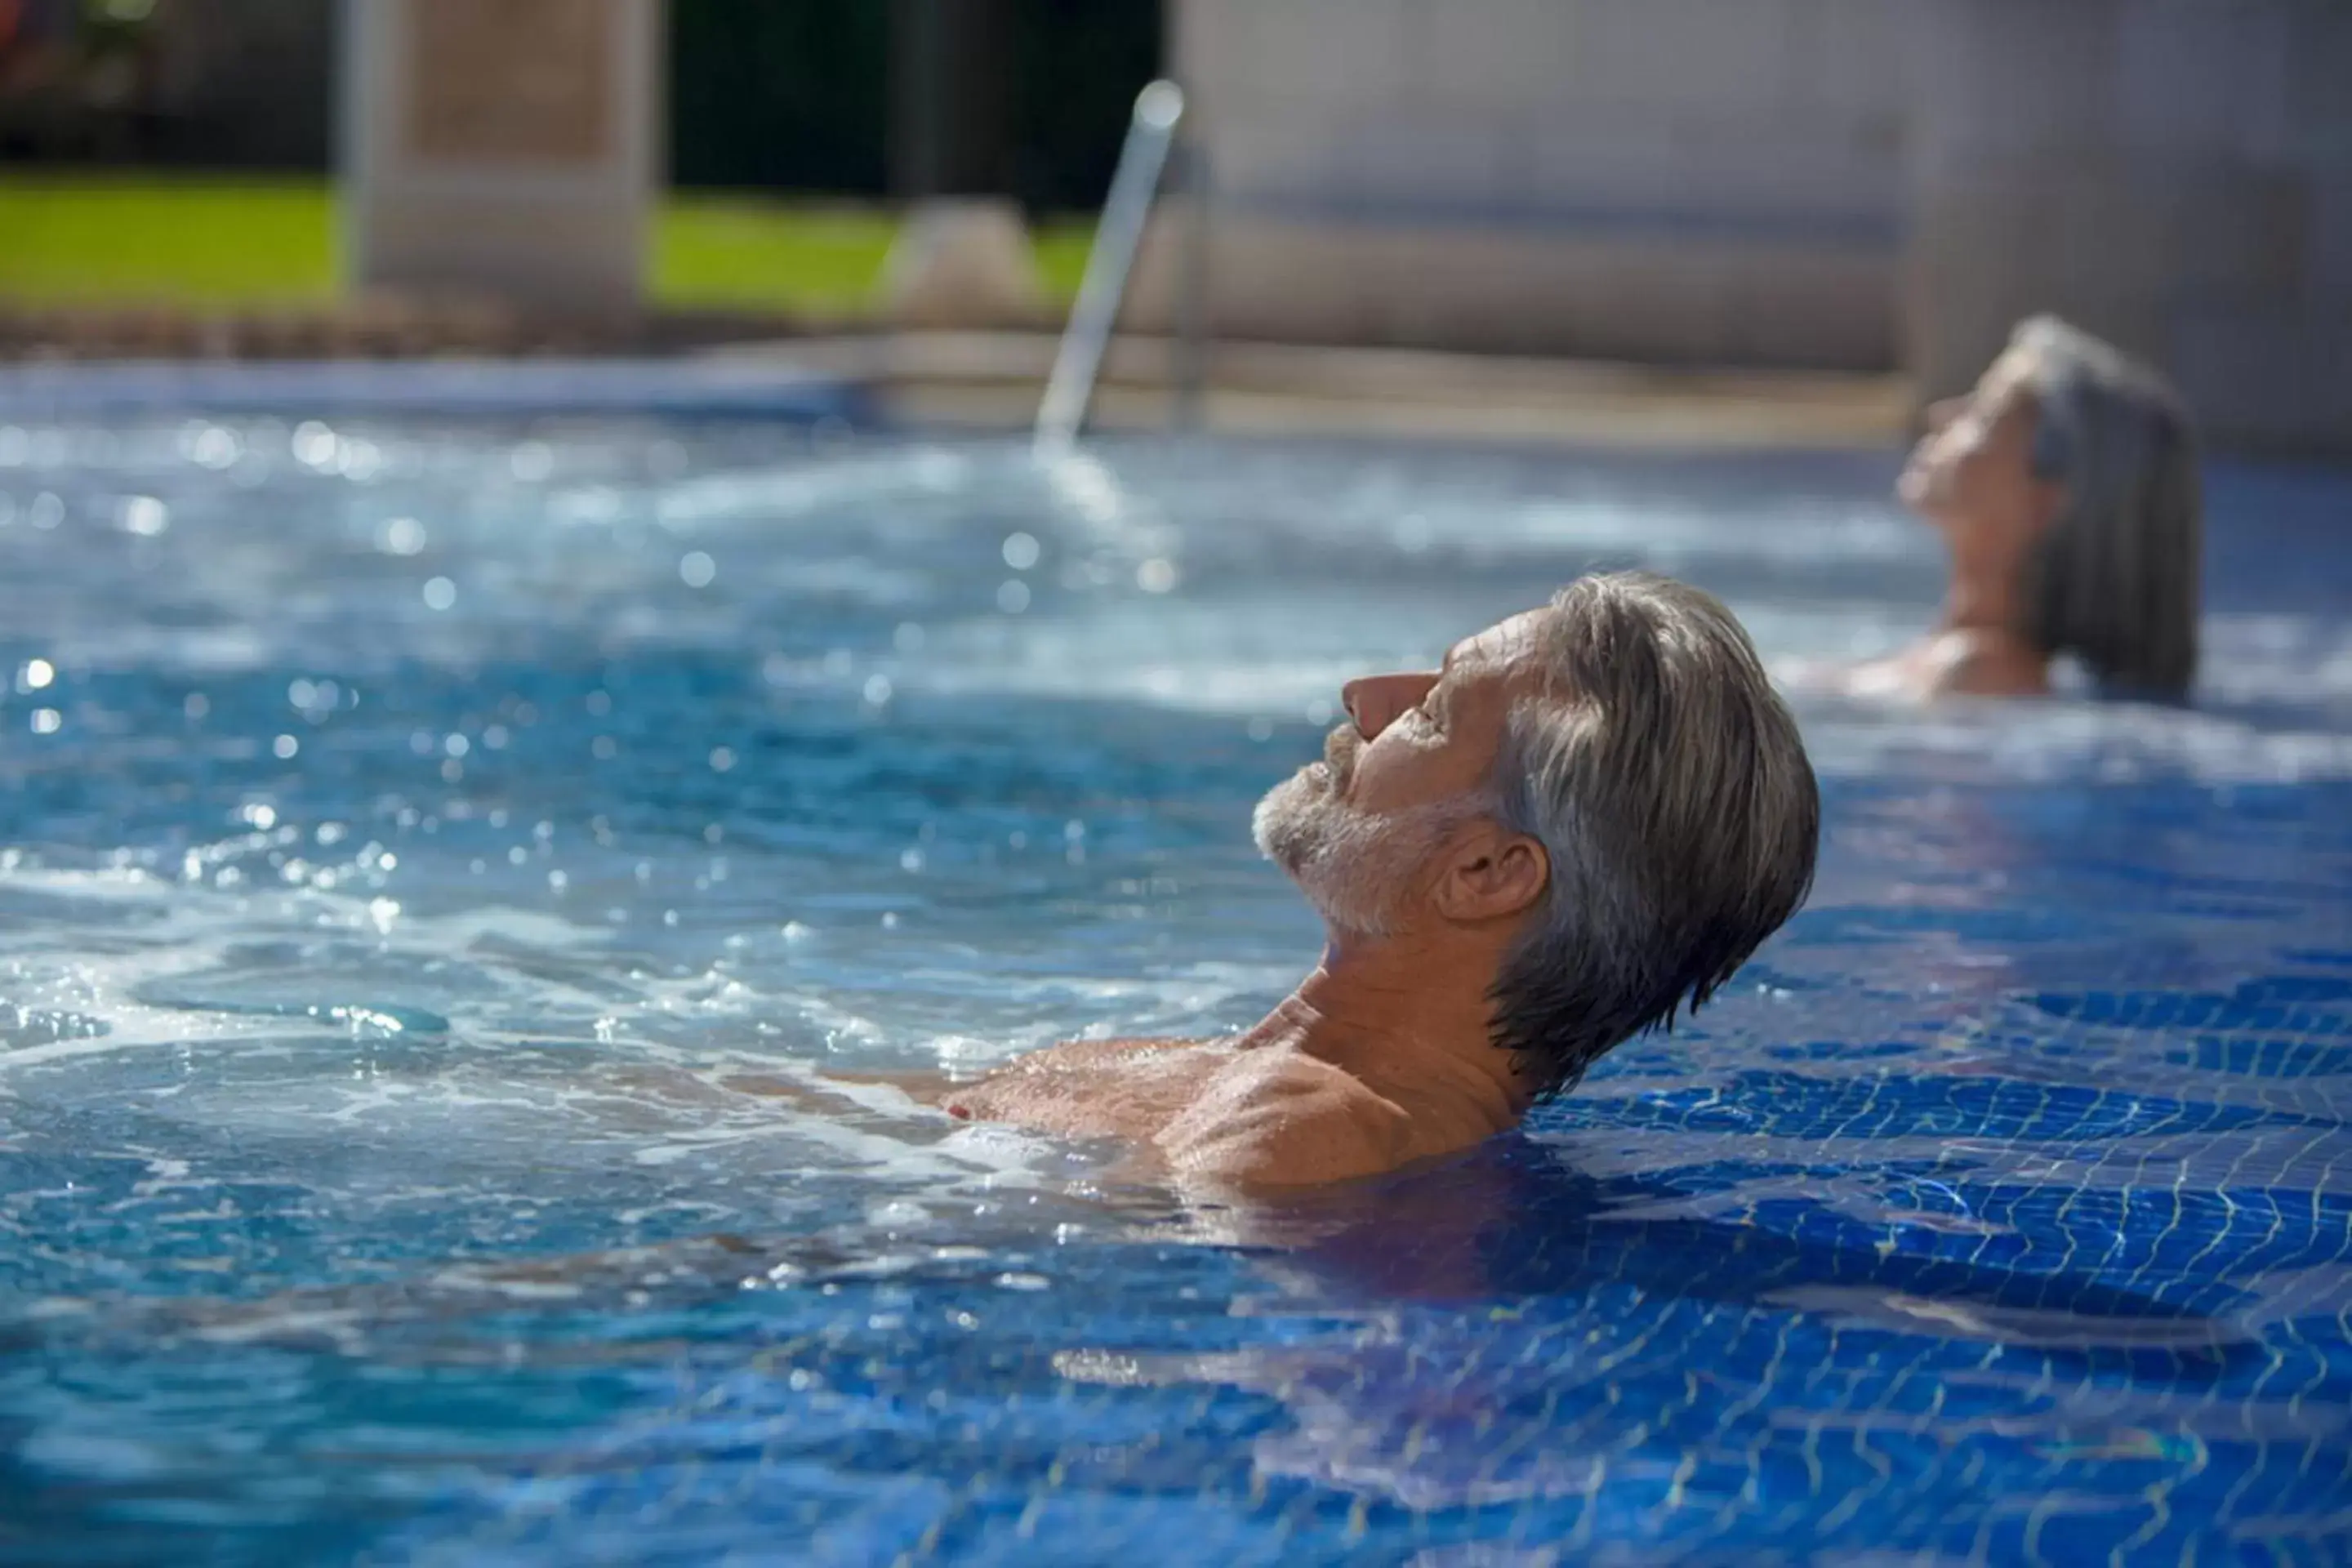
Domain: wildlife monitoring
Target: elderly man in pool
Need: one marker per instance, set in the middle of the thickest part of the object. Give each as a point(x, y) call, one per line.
point(1587, 819)
point(1590, 817)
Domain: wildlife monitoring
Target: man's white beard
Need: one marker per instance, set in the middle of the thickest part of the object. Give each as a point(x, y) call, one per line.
point(1359, 868)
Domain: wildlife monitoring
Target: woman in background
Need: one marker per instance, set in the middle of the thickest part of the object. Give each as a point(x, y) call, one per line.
point(2066, 488)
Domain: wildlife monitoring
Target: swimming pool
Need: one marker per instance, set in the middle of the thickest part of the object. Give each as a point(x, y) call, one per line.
point(424, 849)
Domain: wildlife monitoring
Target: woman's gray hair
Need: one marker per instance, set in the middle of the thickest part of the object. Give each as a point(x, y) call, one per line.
point(1668, 784)
point(2115, 579)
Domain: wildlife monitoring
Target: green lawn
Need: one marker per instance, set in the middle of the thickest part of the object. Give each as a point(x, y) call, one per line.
point(211, 244)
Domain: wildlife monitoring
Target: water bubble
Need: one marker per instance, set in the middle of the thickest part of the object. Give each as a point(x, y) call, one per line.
point(314, 444)
point(1261, 729)
point(1318, 711)
point(47, 511)
point(146, 516)
point(284, 747)
point(197, 705)
point(603, 747)
point(1157, 575)
point(259, 816)
point(302, 693)
point(215, 447)
point(37, 675)
point(878, 690)
point(696, 569)
point(495, 737)
point(1012, 596)
point(359, 460)
point(452, 771)
point(531, 462)
point(1021, 550)
point(910, 859)
point(456, 745)
point(837, 662)
point(721, 759)
point(401, 536)
point(48, 721)
point(440, 593)
point(599, 703)
point(776, 669)
point(891, 920)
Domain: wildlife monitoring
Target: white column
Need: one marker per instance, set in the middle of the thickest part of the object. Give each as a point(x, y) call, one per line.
point(507, 148)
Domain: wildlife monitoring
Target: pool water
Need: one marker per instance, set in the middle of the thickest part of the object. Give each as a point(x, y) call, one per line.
point(439, 865)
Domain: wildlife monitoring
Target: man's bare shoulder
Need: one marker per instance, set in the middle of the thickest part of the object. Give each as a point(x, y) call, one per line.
point(1281, 1119)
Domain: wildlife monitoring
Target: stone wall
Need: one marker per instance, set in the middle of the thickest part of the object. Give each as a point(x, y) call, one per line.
point(1715, 181)
point(2174, 174)
point(1868, 185)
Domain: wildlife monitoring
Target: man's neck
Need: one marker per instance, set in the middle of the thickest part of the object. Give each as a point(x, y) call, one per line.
point(1399, 1016)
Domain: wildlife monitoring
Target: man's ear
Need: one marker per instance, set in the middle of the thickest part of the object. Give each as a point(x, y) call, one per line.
point(1490, 874)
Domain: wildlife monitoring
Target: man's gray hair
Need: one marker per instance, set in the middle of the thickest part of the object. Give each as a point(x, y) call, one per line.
point(2115, 580)
point(1667, 782)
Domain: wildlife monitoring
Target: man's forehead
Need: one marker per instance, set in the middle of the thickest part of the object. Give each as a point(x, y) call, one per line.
point(1500, 645)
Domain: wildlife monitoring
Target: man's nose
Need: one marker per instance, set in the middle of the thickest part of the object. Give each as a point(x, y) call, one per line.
point(1375, 701)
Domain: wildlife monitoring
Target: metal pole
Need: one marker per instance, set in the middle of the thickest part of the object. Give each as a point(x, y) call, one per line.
point(1191, 349)
point(1070, 389)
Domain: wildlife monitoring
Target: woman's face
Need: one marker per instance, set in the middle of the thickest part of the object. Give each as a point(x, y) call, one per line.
point(1971, 474)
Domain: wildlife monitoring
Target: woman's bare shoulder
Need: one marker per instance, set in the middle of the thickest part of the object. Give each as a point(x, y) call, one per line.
point(1963, 661)
point(1985, 663)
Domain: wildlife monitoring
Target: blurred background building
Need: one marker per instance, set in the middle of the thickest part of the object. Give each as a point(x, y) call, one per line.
point(1857, 185)
point(1851, 186)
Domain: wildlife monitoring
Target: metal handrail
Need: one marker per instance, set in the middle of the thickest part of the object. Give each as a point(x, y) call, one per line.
point(1070, 390)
